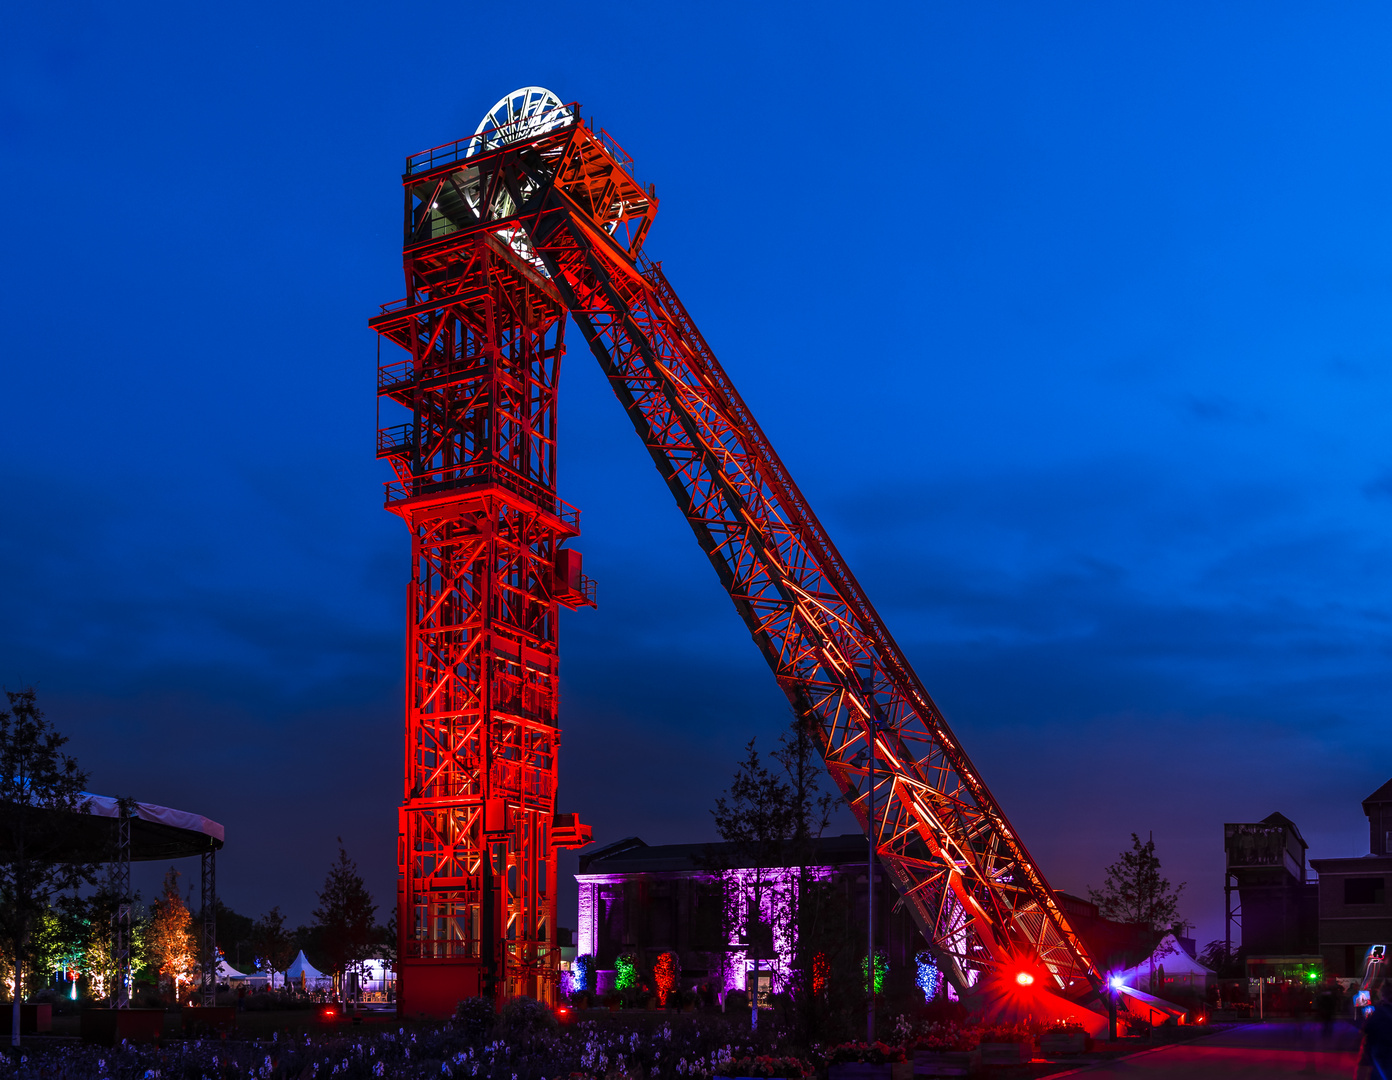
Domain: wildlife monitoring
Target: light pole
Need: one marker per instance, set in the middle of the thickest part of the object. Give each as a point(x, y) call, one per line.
point(868, 689)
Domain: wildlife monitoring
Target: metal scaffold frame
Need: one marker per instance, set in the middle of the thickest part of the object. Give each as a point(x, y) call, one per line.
point(121, 886)
point(476, 483)
point(554, 199)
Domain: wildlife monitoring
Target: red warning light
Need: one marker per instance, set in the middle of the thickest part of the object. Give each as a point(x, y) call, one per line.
point(1025, 979)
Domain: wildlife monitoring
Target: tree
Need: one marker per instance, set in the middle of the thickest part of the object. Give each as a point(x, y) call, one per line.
point(173, 948)
point(756, 817)
point(1225, 962)
point(97, 914)
point(39, 785)
point(345, 916)
point(810, 811)
point(1134, 891)
point(272, 943)
point(233, 933)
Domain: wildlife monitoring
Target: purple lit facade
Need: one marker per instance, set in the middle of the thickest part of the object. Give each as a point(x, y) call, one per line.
point(645, 900)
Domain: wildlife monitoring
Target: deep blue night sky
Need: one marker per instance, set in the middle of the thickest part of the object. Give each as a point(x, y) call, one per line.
point(1072, 322)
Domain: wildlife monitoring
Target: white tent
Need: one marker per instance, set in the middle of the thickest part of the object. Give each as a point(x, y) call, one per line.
point(302, 972)
point(301, 966)
point(227, 971)
point(1171, 958)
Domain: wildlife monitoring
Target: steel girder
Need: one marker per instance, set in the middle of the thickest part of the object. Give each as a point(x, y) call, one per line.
point(476, 483)
point(571, 205)
point(978, 896)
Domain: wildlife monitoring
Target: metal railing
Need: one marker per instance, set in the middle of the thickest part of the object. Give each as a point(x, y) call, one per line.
point(396, 440)
point(460, 477)
point(517, 131)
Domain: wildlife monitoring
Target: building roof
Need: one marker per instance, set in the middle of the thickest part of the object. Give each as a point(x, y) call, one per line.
point(156, 832)
point(1350, 864)
point(1381, 795)
point(1279, 818)
point(632, 856)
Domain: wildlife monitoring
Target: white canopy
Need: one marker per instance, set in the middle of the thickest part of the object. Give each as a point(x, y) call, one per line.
point(1170, 955)
point(106, 806)
point(302, 966)
point(227, 971)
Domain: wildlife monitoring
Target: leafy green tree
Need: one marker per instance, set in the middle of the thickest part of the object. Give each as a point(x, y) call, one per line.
point(1134, 891)
point(233, 934)
point(56, 941)
point(756, 817)
point(39, 786)
point(1226, 963)
point(807, 907)
point(173, 947)
point(273, 945)
point(95, 916)
point(345, 917)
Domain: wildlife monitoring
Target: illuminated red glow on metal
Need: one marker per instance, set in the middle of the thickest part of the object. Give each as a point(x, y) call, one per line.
point(981, 901)
point(1024, 978)
point(475, 482)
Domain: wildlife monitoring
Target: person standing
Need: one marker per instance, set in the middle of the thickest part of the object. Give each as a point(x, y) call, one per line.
point(1326, 1004)
point(1375, 1061)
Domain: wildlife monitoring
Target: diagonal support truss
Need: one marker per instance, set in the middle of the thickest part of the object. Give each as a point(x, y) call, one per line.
point(564, 201)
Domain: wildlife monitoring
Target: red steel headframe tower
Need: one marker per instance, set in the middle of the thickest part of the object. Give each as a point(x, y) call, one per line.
point(547, 205)
point(475, 481)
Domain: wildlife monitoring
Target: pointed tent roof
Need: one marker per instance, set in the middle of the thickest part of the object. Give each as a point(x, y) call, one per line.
point(301, 966)
point(227, 971)
point(1170, 955)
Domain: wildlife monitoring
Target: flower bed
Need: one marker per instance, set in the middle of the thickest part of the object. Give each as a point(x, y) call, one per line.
point(947, 1038)
point(866, 1053)
point(766, 1067)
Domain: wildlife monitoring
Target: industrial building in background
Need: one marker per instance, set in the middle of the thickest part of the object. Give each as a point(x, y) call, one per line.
point(535, 216)
point(1293, 925)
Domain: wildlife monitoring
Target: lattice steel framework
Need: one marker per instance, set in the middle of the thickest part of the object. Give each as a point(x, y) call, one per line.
point(120, 878)
point(476, 482)
point(208, 951)
point(560, 199)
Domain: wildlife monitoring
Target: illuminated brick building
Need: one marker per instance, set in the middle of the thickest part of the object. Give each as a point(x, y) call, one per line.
point(646, 900)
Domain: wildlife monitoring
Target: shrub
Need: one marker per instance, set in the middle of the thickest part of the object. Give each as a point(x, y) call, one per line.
point(947, 1038)
point(667, 974)
point(525, 1020)
point(475, 1017)
point(789, 1068)
point(870, 1053)
point(1006, 1033)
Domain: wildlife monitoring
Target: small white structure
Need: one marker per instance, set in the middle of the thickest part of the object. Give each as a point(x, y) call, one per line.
point(375, 977)
point(304, 975)
point(1169, 967)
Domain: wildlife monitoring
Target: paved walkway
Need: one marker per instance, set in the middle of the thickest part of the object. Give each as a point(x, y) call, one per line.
point(1257, 1050)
